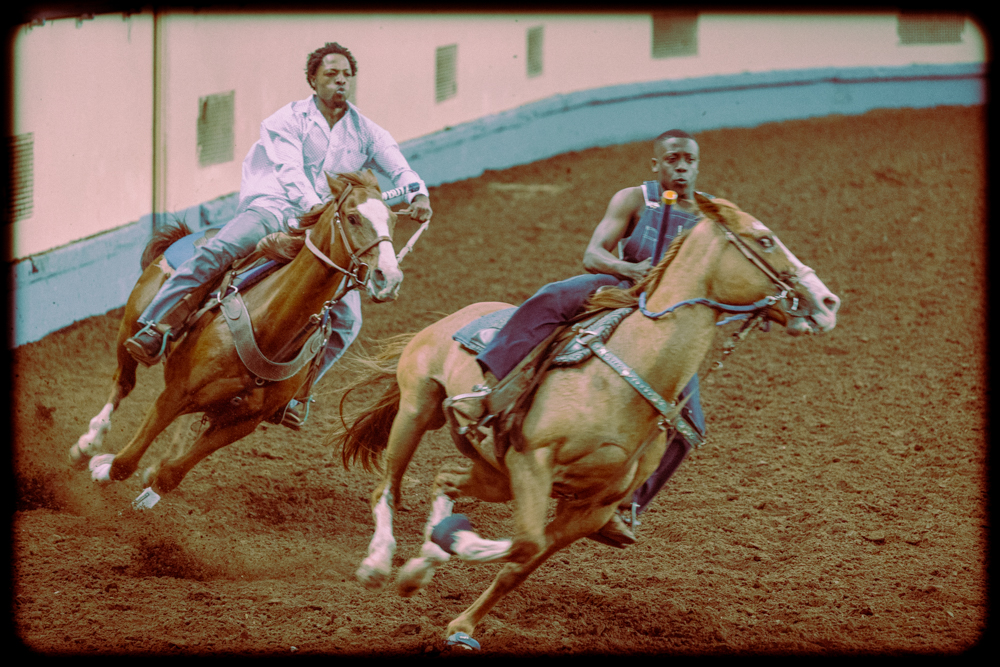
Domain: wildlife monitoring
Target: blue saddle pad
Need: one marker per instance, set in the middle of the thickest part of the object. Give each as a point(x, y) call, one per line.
point(182, 249)
point(476, 335)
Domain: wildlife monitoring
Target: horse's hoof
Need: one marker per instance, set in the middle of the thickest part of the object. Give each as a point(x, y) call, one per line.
point(372, 578)
point(413, 576)
point(78, 458)
point(463, 640)
point(100, 468)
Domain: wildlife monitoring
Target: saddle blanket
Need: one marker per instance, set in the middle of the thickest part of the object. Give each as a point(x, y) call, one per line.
point(476, 335)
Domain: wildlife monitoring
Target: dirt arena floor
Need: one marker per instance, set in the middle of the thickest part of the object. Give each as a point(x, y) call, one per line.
point(839, 507)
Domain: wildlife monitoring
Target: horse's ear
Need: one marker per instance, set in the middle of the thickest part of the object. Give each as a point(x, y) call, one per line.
point(708, 206)
point(337, 185)
point(369, 178)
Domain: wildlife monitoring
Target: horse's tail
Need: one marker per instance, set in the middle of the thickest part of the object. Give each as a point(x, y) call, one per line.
point(162, 239)
point(364, 432)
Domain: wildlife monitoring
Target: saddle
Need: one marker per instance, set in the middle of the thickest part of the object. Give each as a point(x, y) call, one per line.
point(226, 293)
point(508, 402)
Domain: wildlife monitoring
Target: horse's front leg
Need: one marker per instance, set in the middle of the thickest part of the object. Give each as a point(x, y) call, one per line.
point(106, 468)
point(531, 484)
point(570, 524)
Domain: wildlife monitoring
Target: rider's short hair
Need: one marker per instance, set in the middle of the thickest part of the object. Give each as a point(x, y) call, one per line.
point(316, 57)
point(674, 134)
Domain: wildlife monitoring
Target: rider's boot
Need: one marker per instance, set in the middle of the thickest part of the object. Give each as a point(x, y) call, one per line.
point(616, 532)
point(149, 343)
point(294, 414)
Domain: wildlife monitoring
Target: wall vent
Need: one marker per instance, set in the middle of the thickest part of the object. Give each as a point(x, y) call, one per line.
point(22, 176)
point(923, 28)
point(675, 34)
point(445, 69)
point(535, 51)
point(215, 128)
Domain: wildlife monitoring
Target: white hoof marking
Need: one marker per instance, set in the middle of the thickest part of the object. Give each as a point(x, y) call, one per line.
point(100, 468)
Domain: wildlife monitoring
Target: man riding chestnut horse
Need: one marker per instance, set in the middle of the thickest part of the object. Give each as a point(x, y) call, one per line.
point(630, 223)
point(285, 178)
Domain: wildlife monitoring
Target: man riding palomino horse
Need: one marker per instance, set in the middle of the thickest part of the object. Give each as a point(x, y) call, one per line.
point(630, 223)
point(284, 178)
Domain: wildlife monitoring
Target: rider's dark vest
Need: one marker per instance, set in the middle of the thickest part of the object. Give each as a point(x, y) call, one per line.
point(642, 241)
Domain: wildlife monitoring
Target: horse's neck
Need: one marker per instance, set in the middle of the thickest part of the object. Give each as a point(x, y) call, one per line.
point(289, 297)
point(669, 351)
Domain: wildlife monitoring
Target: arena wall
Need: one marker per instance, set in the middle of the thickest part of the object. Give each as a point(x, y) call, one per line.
point(119, 138)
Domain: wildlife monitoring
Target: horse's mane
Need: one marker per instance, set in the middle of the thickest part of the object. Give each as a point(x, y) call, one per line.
point(617, 297)
point(283, 246)
point(627, 297)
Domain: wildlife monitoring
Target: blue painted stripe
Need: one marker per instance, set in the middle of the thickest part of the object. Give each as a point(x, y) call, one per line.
point(90, 277)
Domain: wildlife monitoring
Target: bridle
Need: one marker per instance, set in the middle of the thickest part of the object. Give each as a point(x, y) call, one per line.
point(353, 274)
point(783, 281)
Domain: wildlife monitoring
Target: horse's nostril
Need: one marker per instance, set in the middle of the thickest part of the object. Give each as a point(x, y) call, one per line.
point(832, 303)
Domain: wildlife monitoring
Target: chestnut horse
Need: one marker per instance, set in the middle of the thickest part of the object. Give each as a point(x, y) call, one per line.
point(203, 371)
point(590, 439)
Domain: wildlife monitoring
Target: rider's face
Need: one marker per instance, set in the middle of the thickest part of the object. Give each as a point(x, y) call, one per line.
point(675, 161)
point(333, 80)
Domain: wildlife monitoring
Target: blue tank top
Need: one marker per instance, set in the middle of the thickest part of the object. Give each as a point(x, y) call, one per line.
point(642, 241)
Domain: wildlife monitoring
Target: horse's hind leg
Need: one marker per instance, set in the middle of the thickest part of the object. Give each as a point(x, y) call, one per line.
point(419, 411)
point(91, 443)
point(116, 467)
point(479, 480)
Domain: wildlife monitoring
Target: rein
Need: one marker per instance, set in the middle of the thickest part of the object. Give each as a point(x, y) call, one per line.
point(353, 280)
point(670, 413)
point(780, 281)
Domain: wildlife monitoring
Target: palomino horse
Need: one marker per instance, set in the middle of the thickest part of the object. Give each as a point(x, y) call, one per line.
point(590, 439)
point(203, 371)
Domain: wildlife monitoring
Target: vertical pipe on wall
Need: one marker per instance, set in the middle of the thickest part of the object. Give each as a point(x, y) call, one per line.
point(159, 146)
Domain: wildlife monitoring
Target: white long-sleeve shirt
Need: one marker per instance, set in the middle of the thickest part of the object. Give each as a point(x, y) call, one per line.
point(284, 172)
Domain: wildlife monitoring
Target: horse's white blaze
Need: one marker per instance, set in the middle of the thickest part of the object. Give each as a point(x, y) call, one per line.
point(824, 306)
point(377, 213)
point(378, 564)
point(469, 546)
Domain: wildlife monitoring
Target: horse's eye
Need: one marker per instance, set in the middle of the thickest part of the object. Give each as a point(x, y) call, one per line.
point(765, 242)
point(353, 219)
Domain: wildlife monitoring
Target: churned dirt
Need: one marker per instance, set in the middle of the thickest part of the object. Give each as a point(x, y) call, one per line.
point(839, 507)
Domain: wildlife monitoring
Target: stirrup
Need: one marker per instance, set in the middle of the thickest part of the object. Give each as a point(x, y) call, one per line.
point(618, 536)
point(138, 350)
point(291, 417)
point(479, 393)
